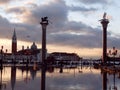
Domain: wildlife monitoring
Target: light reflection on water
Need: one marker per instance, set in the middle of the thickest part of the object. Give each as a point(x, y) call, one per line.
point(71, 79)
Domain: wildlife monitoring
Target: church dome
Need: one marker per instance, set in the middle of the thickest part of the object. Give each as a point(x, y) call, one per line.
point(33, 47)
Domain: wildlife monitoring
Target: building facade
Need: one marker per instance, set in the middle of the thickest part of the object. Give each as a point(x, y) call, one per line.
point(69, 59)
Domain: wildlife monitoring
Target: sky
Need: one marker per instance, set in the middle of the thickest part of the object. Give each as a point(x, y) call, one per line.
point(74, 25)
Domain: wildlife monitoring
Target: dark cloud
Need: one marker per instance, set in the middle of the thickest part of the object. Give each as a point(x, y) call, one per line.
point(82, 9)
point(56, 11)
point(84, 37)
point(95, 1)
point(113, 41)
point(57, 14)
point(6, 1)
point(5, 27)
point(22, 30)
point(16, 10)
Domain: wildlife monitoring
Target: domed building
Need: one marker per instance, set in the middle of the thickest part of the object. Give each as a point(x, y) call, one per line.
point(33, 46)
point(32, 53)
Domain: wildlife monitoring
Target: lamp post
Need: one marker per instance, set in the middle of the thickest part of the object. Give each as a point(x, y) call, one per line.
point(1, 68)
point(104, 23)
point(44, 23)
point(113, 52)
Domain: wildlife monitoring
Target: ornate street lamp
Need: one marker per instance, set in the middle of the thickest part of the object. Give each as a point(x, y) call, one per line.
point(113, 52)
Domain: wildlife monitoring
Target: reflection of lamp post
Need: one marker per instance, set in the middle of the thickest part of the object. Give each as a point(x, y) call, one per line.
point(114, 87)
point(44, 23)
point(5, 54)
point(2, 85)
point(104, 23)
point(1, 52)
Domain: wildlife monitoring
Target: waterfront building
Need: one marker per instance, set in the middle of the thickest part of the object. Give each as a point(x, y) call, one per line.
point(31, 54)
point(65, 58)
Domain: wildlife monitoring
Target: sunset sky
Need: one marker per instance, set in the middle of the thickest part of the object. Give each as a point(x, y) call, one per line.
point(73, 24)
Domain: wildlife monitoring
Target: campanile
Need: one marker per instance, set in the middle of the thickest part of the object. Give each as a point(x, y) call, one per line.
point(14, 42)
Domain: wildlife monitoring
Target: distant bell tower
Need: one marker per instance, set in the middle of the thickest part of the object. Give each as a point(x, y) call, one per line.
point(14, 42)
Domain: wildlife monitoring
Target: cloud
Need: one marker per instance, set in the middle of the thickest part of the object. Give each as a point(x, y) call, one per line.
point(83, 36)
point(4, 1)
point(5, 27)
point(16, 10)
point(57, 14)
point(56, 11)
point(95, 1)
point(82, 9)
point(60, 32)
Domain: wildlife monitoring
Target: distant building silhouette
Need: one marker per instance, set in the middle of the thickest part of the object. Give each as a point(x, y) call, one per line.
point(63, 57)
point(30, 54)
point(14, 43)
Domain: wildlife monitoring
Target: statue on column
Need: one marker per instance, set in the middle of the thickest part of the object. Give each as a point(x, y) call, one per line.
point(104, 15)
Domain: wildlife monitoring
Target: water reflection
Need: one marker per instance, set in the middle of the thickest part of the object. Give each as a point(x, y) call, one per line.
point(85, 78)
point(109, 79)
point(2, 82)
point(13, 77)
point(104, 83)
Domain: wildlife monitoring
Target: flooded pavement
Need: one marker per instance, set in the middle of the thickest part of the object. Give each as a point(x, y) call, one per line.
point(86, 78)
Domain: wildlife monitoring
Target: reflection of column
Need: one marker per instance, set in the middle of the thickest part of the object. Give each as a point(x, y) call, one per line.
point(33, 73)
point(1, 80)
point(104, 83)
point(27, 78)
point(114, 86)
point(2, 85)
point(13, 77)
